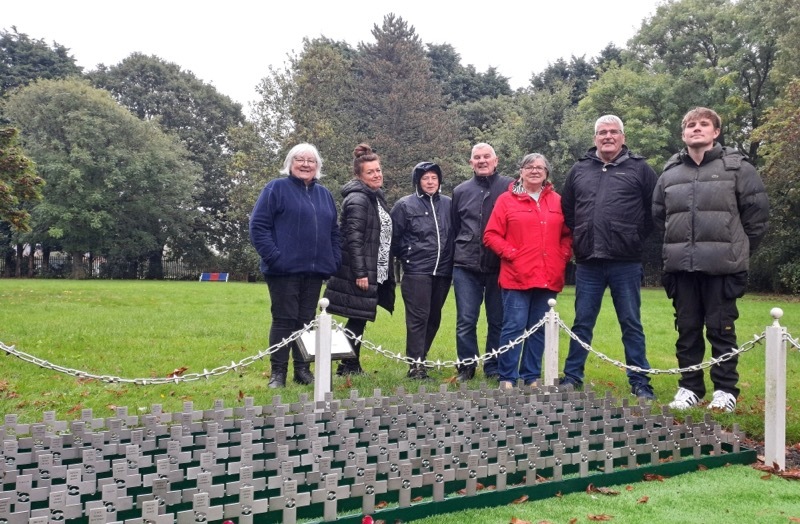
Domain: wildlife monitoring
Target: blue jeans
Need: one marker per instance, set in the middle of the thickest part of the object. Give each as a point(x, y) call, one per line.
point(521, 310)
point(471, 287)
point(624, 280)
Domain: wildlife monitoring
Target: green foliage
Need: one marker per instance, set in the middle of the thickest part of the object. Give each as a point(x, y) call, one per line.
point(777, 260)
point(183, 105)
point(116, 185)
point(23, 60)
point(19, 184)
point(462, 84)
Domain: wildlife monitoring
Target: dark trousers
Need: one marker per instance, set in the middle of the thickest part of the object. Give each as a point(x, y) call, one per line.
point(294, 301)
point(700, 299)
point(423, 296)
point(357, 326)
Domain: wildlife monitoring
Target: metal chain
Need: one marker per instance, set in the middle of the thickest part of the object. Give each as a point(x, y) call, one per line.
point(438, 364)
point(672, 371)
point(177, 378)
point(792, 341)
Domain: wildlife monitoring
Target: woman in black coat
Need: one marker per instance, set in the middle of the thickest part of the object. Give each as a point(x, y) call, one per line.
point(366, 277)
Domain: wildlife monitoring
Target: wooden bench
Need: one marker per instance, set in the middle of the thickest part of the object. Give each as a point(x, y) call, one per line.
point(213, 277)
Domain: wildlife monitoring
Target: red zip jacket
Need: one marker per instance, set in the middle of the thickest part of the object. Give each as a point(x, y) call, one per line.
point(531, 239)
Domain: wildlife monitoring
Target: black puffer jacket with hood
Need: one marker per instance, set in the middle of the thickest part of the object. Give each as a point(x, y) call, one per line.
point(422, 236)
point(361, 231)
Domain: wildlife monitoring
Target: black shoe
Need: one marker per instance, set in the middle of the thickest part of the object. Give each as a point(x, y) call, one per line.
point(644, 392)
point(568, 381)
point(417, 372)
point(277, 379)
point(303, 376)
point(491, 374)
point(346, 368)
point(465, 374)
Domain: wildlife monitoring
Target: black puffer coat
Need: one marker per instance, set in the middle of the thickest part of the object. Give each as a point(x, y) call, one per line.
point(361, 230)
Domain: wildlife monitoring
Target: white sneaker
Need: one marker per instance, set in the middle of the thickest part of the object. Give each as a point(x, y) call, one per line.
point(723, 401)
point(684, 399)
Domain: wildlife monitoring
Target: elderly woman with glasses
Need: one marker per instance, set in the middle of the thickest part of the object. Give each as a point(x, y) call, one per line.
point(527, 231)
point(294, 230)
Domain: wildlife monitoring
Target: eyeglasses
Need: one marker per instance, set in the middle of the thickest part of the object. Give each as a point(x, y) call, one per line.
point(534, 168)
point(311, 161)
point(612, 132)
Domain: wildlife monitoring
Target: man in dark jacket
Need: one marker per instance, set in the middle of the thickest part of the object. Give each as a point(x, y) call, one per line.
point(422, 239)
point(607, 200)
point(476, 267)
point(713, 209)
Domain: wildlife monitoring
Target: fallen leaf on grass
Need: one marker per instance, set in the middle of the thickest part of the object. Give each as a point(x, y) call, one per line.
point(794, 519)
point(451, 380)
point(643, 500)
point(628, 488)
point(522, 499)
point(649, 477)
point(702, 467)
point(515, 520)
point(241, 394)
point(177, 372)
point(591, 488)
point(573, 520)
point(74, 409)
point(416, 499)
point(766, 477)
point(559, 495)
point(790, 474)
point(602, 516)
point(382, 504)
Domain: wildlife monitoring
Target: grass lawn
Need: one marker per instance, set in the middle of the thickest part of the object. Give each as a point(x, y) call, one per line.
point(147, 329)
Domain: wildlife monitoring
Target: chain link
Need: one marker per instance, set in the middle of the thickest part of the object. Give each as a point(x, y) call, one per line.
point(792, 341)
point(437, 364)
point(174, 377)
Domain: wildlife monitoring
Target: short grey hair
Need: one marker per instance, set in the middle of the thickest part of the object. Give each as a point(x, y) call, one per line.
point(298, 149)
point(482, 145)
point(530, 158)
point(609, 119)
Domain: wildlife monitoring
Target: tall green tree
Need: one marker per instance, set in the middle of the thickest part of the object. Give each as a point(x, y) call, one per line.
point(117, 186)
point(324, 109)
point(24, 59)
point(400, 105)
point(719, 54)
point(776, 263)
point(578, 73)
point(180, 103)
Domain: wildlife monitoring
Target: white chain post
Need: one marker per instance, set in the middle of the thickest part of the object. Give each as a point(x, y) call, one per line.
point(551, 330)
point(322, 353)
point(775, 394)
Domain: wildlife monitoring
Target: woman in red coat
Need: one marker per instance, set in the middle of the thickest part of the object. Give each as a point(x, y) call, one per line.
point(528, 233)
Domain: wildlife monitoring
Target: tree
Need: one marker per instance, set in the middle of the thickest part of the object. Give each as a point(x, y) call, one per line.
point(578, 73)
point(400, 105)
point(116, 186)
point(719, 54)
point(199, 115)
point(776, 263)
point(462, 84)
point(19, 184)
point(324, 109)
point(23, 60)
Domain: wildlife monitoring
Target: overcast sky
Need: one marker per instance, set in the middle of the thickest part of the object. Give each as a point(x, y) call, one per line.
point(230, 44)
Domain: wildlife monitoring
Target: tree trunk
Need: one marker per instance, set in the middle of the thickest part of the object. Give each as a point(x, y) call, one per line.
point(78, 271)
point(18, 268)
point(155, 265)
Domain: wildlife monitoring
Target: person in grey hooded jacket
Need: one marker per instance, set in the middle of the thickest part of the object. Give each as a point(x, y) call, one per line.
point(422, 239)
point(713, 209)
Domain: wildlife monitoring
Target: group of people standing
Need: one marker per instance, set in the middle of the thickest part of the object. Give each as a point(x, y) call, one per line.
point(505, 243)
